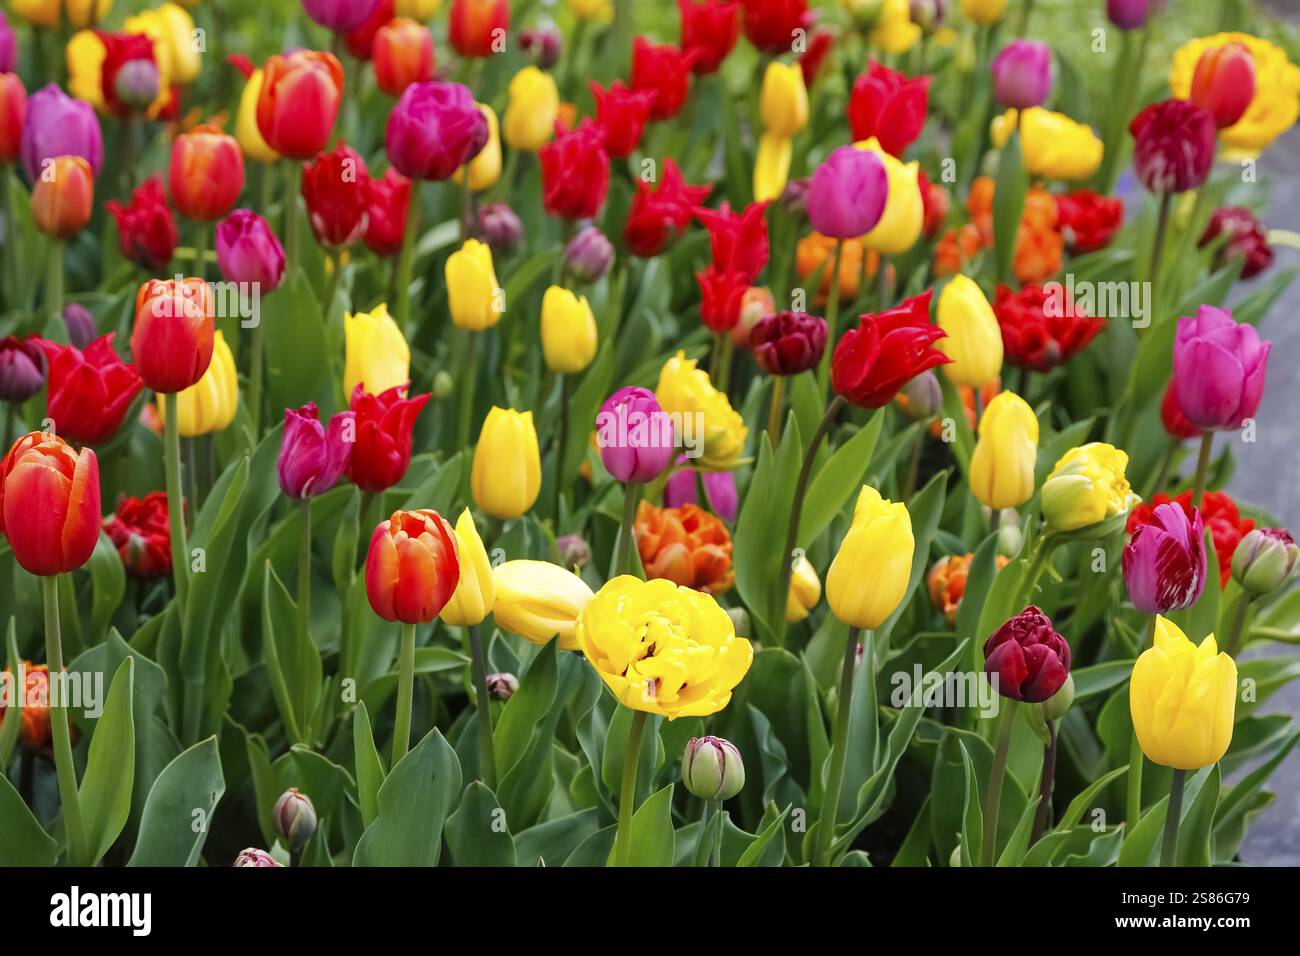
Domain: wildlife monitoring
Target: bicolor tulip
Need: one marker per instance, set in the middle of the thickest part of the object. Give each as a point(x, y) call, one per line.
point(206, 174)
point(384, 420)
point(1173, 146)
point(848, 193)
point(434, 129)
point(1022, 74)
point(712, 768)
point(473, 294)
point(313, 457)
point(634, 435)
point(1086, 486)
point(1025, 659)
point(146, 229)
point(506, 475)
point(171, 28)
point(903, 219)
point(1264, 560)
point(1002, 465)
point(299, 101)
point(49, 504)
point(709, 31)
point(58, 125)
point(476, 591)
point(539, 601)
point(334, 190)
point(575, 172)
point(478, 28)
point(89, 391)
point(973, 342)
point(248, 250)
point(412, 567)
point(1219, 369)
point(247, 132)
point(533, 104)
point(1165, 562)
point(877, 548)
point(64, 197)
point(685, 545)
point(171, 341)
point(568, 331)
point(376, 356)
point(684, 389)
point(403, 54)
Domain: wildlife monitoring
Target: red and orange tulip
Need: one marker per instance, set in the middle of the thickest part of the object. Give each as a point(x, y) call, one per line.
point(49, 503)
point(412, 568)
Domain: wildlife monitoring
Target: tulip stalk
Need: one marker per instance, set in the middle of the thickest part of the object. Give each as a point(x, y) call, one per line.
point(1045, 784)
point(997, 776)
point(566, 396)
point(1202, 468)
point(405, 694)
point(1169, 847)
point(832, 317)
point(405, 264)
point(1158, 253)
point(627, 790)
point(304, 591)
point(468, 375)
point(715, 851)
point(626, 534)
point(175, 499)
point(1238, 631)
point(64, 767)
point(478, 669)
point(822, 849)
point(293, 175)
point(54, 280)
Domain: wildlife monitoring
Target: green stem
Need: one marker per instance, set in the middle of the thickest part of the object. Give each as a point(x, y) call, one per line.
point(8, 275)
point(1133, 785)
point(715, 854)
point(1025, 11)
point(1169, 848)
point(566, 396)
point(627, 790)
point(293, 186)
point(1202, 468)
point(201, 251)
point(721, 365)
point(304, 600)
point(626, 534)
point(255, 382)
point(66, 771)
point(1158, 254)
point(1038, 558)
point(468, 378)
point(997, 776)
point(478, 669)
point(1045, 783)
point(774, 412)
point(405, 264)
point(175, 501)
point(1238, 631)
point(839, 754)
point(832, 316)
point(405, 694)
point(54, 281)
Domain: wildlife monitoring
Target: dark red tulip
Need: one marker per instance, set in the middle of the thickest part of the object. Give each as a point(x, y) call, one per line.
point(141, 532)
point(886, 351)
point(788, 343)
point(1173, 148)
point(146, 229)
point(1246, 240)
point(1026, 659)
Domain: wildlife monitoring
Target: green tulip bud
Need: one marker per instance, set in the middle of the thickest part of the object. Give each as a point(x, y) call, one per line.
point(1264, 559)
point(712, 768)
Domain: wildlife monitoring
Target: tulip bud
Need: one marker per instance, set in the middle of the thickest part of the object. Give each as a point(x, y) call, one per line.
point(1025, 659)
point(847, 194)
point(443, 384)
point(501, 686)
point(794, 199)
point(1264, 560)
point(472, 287)
point(974, 339)
point(927, 14)
point(64, 197)
point(544, 43)
point(1132, 14)
point(206, 173)
point(506, 475)
point(740, 619)
point(1002, 465)
point(635, 436)
point(137, 83)
point(574, 551)
point(1224, 83)
point(1087, 485)
point(712, 768)
point(805, 591)
point(1022, 74)
point(568, 331)
point(534, 102)
point(249, 251)
point(1010, 537)
point(253, 857)
point(500, 228)
point(538, 601)
point(295, 819)
point(22, 370)
point(924, 395)
point(588, 255)
point(80, 323)
point(878, 547)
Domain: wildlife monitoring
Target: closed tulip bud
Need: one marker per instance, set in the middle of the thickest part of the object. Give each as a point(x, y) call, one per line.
point(1182, 699)
point(384, 423)
point(712, 769)
point(877, 548)
point(1025, 659)
point(534, 103)
point(80, 323)
point(544, 43)
point(22, 369)
point(443, 384)
point(1132, 14)
point(1011, 537)
point(403, 54)
point(924, 395)
point(249, 251)
point(49, 504)
point(1173, 146)
point(209, 405)
point(783, 100)
point(338, 15)
point(1002, 466)
point(295, 819)
point(248, 134)
point(983, 12)
point(484, 170)
point(477, 28)
point(377, 356)
point(805, 591)
point(538, 601)
point(848, 193)
point(57, 125)
point(253, 857)
point(13, 113)
point(206, 174)
point(574, 551)
point(903, 220)
point(788, 343)
point(1165, 561)
point(1219, 369)
point(171, 341)
point(635, 436)
point(299, 101)
point(568, 331)
point(501, 686)
point(1022, 74)
point(472, 288)
point(974, 341)
point(506, 476)
point(1264, 560)
point(412, 567)
point(313, 458)
point(1224, 83)
point(500, 227)
point(64, 197)
point(1087, 485)
point(772, 166)
point(588, 255)
point(476, 590)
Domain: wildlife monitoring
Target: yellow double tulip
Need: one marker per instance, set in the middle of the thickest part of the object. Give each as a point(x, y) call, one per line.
point(472, 289)
point(538, 601)
point(1087, 485)
point(476, 590)
point(974, 340)
point(507, 472)
point(1002, 467)
point(534, 103)
point(868, 578)
point(1053, 145)
point(568, 331)
point(209, 405)
point(686, 391)
point(662, 648)
point(904, 216)
point(376, 355)
point(1183, 699)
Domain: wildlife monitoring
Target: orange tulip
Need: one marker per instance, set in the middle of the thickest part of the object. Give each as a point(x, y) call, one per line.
point(947, 582)
point(403, 54)
point(477, 28)
point(299, 102)
point(815, 251)
point(49, 503)
point(686, 545)
point(64, 197)
point(206, 174)
point(34, 729)
point(413, 567)
point(172, 340)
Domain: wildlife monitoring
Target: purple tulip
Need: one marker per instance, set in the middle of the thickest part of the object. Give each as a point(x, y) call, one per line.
point(58, 125)
point(434, 129)
point(248, 250)
point(82, 327)
point(588, 255)
point(8, 46)
point(312, 457)
point(253, 857)
point(22, 369)
point(1165, 561)
point(847, 195)
point(636, 436)
point(719, 491)
point(1219, 368)
point(500, 227)
point(1022, 74)
point(339, 15)
point(1132, 14)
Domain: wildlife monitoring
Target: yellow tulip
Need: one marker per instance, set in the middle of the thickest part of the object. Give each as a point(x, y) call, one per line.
point(247, 131)
point(686, 391)
point(476, 590)
point(1053, 145)
point(568, 331)
point(538, 600)
point(895, 32)
point(904, 216)
point(602, 11)
point(507, 471)
point(983, 11)
point(1276, 104)
point(974, 340)
point(485, 167)
point(865, 13)
point(805, 591)
point(783, 101)
point(662, 648)
point(868, 577)
point(772, 166)
point(416, 9)
point(1183, 699)
point(172, 30)
point(1086, 486)
point(85, 58)
point(472, 289)
point(376, 355)
point(209, 405)
point(1002, 467)
point(534, 102)
point(49, 13)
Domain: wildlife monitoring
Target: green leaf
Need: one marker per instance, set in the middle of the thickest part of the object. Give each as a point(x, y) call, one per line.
point(476, 832)
point(525, 709)
point(555, 840)
point(23, 842)
point(1008, 205)
point(110, 767)
point(1195, 830)
point(972, 836)
point(107, 583)
point(292, 661)
point(652, 837)
point(754, 852)
point(1099, 678)
point(413, 805)
point(838, 481)
point(297, 361)
point(9, 728)
point(179, 808)
point(1080, 804)
point(370, 769)
point(1014, 852)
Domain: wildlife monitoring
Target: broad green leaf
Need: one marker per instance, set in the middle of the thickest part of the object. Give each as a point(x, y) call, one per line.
point(652, 837)
point(23, 842)
point(413, 805)
point(370, 769)
point(1014, 852)
point(179, 808)
point(477, 833)
point(110, 767)
point(838, 481)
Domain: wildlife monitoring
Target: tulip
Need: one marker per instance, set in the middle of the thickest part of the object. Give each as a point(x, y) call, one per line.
point(57, 125)
point(89, 392)
point(299, 101)
point(172, 30)
point(719, 490)
point(772, 166)
point(1222, 518)
point(248, 251)
point(685, 545)
point(1245, 240)
point(171, 341)
point(377, 356)
point(1038, 336)
point(413, 567)
point(922, 397)
point(817, 49)
point(381, 453)
point(709, 33)
point(983, 12)
point(312, 458)
point(574, 551)
point(888, 106)
point(13, 113)
point(1224, 83)
point(877, 548)
point(538, 601)
point(417, 9)
point(663, 70)
point(209, 405)
point(634, 435)
point(22, 371)
point(146, 228)
point(783, 100)
point(64, 197)
point(575, 172)
point(534, 103)
point(974, 342)
point(1264, 560)
point(1052, 145)
point(206, 174)
point(788, 343)
point(903, 219)
point(506, 476)
point(721, 296)
point(622, 113)
point(478, 27)
point(338, 15)
point(434, 129)
point(403, 54)
point(772, 25)
point(49, 504)
point(334, 189)
point(475, 592)
point(359, 40)
point(484, 170)
point(684, 389)
point(1132, 14)
point(472, 288)
point(140, 533)
point(848, 193)
point(1022, 74)
point(1219, 369)
point(247, 131)
point(946, 582)
point(568, 331)
point(712, 769)
point(805, 591)
point(8, 46)
point(253, 857)
point(1086, 486)
point(500, 227)
point(544, 43)
point(662, 213)
point(885, 352)
point(1173, 148)
point(588, 255)
point(894, 31)
point(294, 816)
point(738, 241)
point(1164, 561)
point(1025, 659)
point(1002, 466)
point(388, 203)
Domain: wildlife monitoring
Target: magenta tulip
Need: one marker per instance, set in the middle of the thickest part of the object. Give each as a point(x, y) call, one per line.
point(1173, 146)
point(434, 129)
point(1022, 74)
point(248, 250)
point(1132, 14)
point(719, 490)
point(635, 435)
point(312, 457)
point(1165, 561)
point(847, 195)
point(58, 125)
point(339, 15)
point(1219, 369)
point(1026, 659)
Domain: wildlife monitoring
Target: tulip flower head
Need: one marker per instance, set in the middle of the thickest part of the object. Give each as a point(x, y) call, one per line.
point(568, 331)
point(974, 341)
point(64, 197)
point(685, 545)
point(473, 294)
point(885, 352)
point(8, 46)
point(539, 601)
point(738, 241)
point(1022, 74)
point(1245, 240)
point(377, 357)
point(506, 475)
point(57, 125)
point(635, 436)
point(1224, 83)
point(295, 819)
point(868, 577)
point(661, 212)
point(622, 113)
point(575, 172)
point(805, 591)
point(889, 107)
point(22, 369)
point(206, 174)
point(384, 423)
point(788, 343)
point(1173, 146)
point(146, 228)
point(1264, 560)
point(209, 405)
point(1087, 485)
point(1053, 145)
point(1002, 465)
point(247, 131)
point(1132, 14)
point(476, 589)
point(1039, 335)
point(140, 532)
point(313, 457)
point(1165, 561)
point(848, 193)
point(709, 31)
point(412, 567)
point(1221, 518)
point(338, 15)
point(299, 101)
point(34, 717)
point(588, 255)
point(477, 28)
point(1025, 659)
point(712, 768)
point(171, 341)
point(534, 104)
point(685, 390)
point(388, 202)
point(772, 25)
point(1219, 369)
point(248, 251)
point(89, 391)
point(334, 189)
point(49, 504)
point(903, 219)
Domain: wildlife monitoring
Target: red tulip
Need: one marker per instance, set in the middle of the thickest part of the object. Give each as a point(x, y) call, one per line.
point(382, 451)
point(1172, 417)
point(622, 114)
point(360, 39)
point(575, 172)
point(403, 54)
point(721, 296)
point(1039, 335)
point(885, 352)
point(171, 341)
point(1088, 220)
point(146, 228)
point(709, 32)
point(89, 392)
point(1173, 146)
point(63, 201)
point(299, 102)
point(129, 78)
point(141, 532)
point(788, 343)
point(1026, 659)
point(388, 202)
point(890, 106)
point(477, 28)
point(1218, 511)
point(1245, 240)
point(1224, 83)
point(334, 188)
point(206, 173)
point(771, 24)
point(49, 503)
point(660, 215)
point(412, 568)
point(664, 70)
point(819, 47)
point(739, 241)
point(13, 111)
